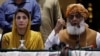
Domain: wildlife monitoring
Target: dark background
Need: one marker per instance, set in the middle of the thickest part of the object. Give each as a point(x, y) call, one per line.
point(95, 24)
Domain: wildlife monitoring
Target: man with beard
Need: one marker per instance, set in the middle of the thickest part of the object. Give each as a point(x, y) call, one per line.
point(77, 33)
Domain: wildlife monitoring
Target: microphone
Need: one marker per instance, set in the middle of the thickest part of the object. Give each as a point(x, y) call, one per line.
point(78, 26)
point(54, 47)
point(22, 46)
point(88, 47)
point(78, 43)
point(65, 51)
point(78, 40)
point(58, 46)
point(61, 45)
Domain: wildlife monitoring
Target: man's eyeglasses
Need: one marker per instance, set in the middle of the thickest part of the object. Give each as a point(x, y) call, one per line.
point(78, 16)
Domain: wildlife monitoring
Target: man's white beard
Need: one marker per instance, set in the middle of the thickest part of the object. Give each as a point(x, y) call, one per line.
point(75, 30)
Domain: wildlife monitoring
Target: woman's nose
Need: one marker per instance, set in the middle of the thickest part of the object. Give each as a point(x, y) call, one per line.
point(21, 19)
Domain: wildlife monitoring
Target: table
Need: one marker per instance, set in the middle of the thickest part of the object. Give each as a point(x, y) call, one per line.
point(50, 53)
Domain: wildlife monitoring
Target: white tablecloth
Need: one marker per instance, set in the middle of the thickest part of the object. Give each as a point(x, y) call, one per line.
point(85, 53)
point(17, 53)
point(73, 53)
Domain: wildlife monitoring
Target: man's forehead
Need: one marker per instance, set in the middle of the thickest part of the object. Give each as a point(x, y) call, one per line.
point(73, 13)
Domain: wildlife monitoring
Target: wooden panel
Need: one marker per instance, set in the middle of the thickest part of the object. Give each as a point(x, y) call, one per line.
point(65, 3)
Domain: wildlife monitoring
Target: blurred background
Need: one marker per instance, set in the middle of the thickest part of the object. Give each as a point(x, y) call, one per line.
point(92, 6)
point(1, 1)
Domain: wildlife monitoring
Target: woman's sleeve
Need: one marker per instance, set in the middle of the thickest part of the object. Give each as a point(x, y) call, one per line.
point(40, 42)
point(4, 43)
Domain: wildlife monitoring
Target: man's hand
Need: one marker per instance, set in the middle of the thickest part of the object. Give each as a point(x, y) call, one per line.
point(59, 25)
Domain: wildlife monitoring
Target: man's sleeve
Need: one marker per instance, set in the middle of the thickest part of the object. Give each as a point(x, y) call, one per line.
point(4, 42)
point(98, 40)
point(52, 39)
point(36, 16)
point(3, 23)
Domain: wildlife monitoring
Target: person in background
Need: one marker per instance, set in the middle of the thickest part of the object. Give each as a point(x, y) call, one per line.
point(77, 33)
point(8, 8)
point(50, 12)
point(21, 36)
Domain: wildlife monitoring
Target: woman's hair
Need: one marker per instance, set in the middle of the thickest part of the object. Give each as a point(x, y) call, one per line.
point(23, 11)
point(77, 8)
point(15, 33)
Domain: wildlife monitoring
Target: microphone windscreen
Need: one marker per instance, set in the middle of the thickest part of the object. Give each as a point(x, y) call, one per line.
point(55, 47)
point(61, 45)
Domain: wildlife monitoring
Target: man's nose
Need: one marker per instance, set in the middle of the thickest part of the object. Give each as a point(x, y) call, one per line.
point(74, 18)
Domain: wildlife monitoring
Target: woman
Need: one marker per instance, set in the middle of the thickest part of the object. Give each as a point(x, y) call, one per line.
point(21, 31)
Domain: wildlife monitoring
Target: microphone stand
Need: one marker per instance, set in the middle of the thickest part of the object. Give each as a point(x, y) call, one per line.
point(22, 46)
point(78, 46)
point(78, 43)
